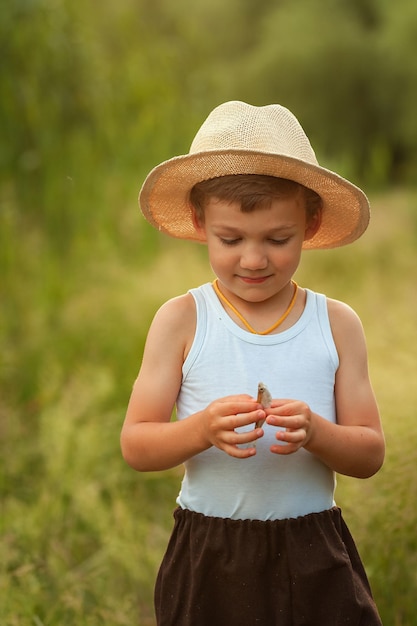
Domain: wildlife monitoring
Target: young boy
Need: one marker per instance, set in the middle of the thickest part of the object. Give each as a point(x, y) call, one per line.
point(270, 383)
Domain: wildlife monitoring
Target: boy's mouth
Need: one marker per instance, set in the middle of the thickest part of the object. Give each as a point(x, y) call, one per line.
point(254, 280)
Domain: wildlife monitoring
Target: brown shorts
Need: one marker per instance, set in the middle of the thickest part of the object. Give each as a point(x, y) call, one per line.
point(293, 572)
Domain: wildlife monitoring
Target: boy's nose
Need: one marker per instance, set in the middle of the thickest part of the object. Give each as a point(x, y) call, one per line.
point(253, 259)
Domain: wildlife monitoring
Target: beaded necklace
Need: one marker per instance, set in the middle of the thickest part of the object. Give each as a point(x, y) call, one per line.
point(246, 323)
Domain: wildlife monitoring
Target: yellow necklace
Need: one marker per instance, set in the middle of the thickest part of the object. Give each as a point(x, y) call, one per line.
point(242, 319)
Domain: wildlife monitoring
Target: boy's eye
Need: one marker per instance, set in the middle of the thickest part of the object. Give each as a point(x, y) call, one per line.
point(236, 240)
point(229, 242)
point(279, 242)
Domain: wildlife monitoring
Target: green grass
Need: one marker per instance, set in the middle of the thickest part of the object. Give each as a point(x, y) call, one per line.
point(81, 533)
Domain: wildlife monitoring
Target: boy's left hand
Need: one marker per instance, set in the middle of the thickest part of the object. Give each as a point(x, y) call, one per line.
point(295, 417)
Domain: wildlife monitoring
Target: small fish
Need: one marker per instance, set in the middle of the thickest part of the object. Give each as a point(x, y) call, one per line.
point(264, 398)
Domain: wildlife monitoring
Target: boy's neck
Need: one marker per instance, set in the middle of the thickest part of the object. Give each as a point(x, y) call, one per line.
point(231, 307)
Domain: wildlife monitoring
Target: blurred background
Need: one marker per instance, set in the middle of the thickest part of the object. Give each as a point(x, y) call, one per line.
point(92, 96)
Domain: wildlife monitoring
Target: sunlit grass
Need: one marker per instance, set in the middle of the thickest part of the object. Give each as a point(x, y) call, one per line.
point(82, 534)
point(378, 277)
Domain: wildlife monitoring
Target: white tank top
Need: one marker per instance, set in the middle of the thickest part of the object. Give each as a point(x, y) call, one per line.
point(299, 363)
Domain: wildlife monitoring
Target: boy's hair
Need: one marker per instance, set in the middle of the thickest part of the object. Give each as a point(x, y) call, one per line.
point(251, 191)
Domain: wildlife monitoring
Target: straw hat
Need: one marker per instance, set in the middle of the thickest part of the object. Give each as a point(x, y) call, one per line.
point(238, 138)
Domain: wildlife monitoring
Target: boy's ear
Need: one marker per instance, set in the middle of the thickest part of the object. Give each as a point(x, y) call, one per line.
point(313, 224)
point(198, 225)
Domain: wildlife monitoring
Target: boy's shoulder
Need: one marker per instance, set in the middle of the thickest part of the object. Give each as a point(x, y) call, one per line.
point(345, 323)
point(178, 309)
point(339, 310)
point(173, 327)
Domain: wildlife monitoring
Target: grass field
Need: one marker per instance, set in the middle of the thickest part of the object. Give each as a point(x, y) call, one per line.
point(81, 533)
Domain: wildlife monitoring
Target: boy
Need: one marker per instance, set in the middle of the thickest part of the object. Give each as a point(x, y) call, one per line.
point(258, 538)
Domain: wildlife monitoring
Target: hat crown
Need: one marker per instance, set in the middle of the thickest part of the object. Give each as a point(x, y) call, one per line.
point(239, 126)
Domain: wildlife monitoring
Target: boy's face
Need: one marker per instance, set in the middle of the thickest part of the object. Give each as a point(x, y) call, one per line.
point(255, 254)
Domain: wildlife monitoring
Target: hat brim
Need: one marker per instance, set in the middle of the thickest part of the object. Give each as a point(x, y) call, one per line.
point(164, 197)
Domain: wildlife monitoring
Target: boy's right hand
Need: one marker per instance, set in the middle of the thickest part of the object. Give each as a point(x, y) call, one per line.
point(222, 417)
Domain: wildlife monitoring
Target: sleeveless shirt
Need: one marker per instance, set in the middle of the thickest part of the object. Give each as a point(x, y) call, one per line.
point(299, 363)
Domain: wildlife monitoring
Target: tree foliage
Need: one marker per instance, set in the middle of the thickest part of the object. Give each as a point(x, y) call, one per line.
point(89, 88)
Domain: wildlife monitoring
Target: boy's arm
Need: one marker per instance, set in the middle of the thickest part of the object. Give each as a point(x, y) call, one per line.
point(149, 439)
point(355, 445)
